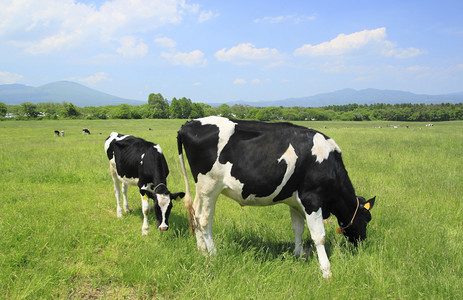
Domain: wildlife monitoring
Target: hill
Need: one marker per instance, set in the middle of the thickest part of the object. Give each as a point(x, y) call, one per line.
point(366, 96)
point(60, 91)
point(81, 96)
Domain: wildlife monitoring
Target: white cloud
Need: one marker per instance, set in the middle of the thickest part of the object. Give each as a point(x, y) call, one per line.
point(190, 59)
point(52, 43)
point(132, 47)
point(343, 43)
point(166, 42)
point(246, 52)
point(417, 68)
point(259, 81)
point(366, 39)
point(92, 79)
point(403, 53)
point(206, 16)
point(292, 18)
point(45, 26)
point(9, 78)
point(239, 81)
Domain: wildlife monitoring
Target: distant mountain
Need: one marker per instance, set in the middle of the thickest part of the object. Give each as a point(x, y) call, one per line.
point(367, 96)
point(82, 96)
point(60, 91)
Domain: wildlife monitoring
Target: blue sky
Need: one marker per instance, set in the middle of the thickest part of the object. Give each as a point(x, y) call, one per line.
point(220, 51)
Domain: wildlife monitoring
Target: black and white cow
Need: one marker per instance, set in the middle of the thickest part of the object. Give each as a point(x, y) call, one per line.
point(262, 164)
point(85, 131)
point(134, 161)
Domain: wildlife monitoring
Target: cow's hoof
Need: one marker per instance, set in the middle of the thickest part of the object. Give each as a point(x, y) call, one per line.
point(327, 275)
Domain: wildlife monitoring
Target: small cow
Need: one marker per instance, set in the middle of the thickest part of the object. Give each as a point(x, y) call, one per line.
point(262, 164)
point(85, 131)
point(134, 161)
point(56, 133)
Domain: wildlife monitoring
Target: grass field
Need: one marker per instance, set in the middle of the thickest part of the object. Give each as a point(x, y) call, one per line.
point(60, 237)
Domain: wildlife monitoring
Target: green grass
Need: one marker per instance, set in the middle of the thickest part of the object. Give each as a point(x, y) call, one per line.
point(60, 237)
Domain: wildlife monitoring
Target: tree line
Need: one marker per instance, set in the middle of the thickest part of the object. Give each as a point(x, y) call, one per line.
point(160, 108)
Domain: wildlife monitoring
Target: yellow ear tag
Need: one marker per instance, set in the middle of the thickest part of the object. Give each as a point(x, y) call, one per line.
point(339, 231)
point(367, 206)
point(145, 197)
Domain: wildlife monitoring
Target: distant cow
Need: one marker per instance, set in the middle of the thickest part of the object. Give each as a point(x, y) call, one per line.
point(134, 161)
point(262, 164)
point(85, 131)
point(56, 133)
point(62, 133)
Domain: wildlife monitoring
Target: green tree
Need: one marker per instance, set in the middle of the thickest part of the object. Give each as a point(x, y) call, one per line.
point(71, 111)
point(240, 111)
point(159, 105)
point(225, 111)
point(3, 109)
point(29, 109)
point(175, 109)
point(185, 105)
point(122, 111)
point(263, 115)
point(197, 111)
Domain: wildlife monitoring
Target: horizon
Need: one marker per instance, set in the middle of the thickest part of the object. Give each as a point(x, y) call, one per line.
point(226, 52)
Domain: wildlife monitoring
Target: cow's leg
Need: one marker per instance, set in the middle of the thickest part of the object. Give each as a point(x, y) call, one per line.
point(117, 192)
point(145, 207)
point(317, 232)
point(125, 187)
point(297, 220)
point(204, 207)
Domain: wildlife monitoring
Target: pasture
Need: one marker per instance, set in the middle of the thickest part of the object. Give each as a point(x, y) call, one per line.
point(60, 237)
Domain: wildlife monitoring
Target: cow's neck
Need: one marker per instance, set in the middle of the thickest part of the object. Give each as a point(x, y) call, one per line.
point(347, 211)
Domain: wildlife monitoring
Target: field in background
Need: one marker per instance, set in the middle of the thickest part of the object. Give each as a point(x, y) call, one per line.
point(60, 237)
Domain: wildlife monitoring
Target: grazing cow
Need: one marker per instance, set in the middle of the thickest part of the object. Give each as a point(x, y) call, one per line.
point(134, 161)
point(62, 133)
point(56, 133)
point(85, 131)
point(262, 164)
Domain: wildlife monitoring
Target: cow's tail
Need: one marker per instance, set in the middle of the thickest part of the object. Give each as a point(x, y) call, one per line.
point(187, 200)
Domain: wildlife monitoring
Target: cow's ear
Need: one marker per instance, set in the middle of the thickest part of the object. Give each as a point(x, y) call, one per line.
point(177, 196)
point(370, 203)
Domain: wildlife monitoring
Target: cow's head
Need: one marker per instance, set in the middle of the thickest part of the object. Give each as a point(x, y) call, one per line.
point(357, 230)
point(163, 204)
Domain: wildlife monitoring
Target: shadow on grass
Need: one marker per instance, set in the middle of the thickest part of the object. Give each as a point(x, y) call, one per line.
point(266, 247)
point(177, 222)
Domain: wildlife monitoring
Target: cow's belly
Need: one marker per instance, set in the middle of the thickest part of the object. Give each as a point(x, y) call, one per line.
point(252, 200)
point(124, 179)
point(129, 181)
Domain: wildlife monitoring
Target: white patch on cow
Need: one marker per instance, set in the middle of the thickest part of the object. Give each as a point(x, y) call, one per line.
point(141, 160)
point(323, 147)
point(226, 129)
point(163, 202)
point(112, 137)
point(148, 187)
point(121, 138)
point(158, 148)
point(129, 181)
